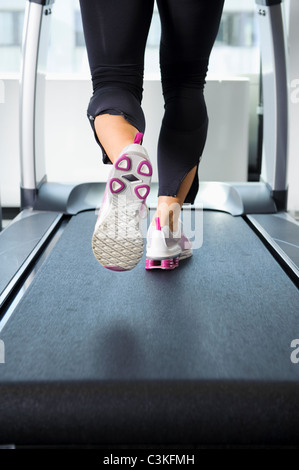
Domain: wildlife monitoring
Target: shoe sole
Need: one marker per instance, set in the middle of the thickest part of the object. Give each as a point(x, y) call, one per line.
point(118, 242)
point(167, 263)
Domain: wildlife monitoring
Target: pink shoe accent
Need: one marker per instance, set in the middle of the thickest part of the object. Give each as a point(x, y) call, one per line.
point(148, 171)
point(167, 264)
point(138, 138)
point(116, 185)
point(158, 225)
point(115, 268)
point(139, 191)
point(123, 163)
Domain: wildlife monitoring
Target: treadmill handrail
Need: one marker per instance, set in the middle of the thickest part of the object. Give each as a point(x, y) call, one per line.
point(32, 49)
point(275, 95)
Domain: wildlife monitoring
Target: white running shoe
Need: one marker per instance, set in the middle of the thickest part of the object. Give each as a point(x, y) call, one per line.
point(117, 240)
point(164, 248)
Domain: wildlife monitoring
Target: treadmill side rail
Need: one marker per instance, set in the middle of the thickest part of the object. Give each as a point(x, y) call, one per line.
point(275, 97)
point(32, 93)
point(20, 242)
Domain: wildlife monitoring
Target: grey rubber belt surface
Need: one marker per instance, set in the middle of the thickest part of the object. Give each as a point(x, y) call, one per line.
point(200, 354)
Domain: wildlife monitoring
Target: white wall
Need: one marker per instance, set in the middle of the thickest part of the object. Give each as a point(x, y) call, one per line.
point(72, 154)
point(2, 91)
point(9, 142)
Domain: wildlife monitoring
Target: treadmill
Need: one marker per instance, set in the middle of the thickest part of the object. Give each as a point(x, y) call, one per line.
point(203, 356)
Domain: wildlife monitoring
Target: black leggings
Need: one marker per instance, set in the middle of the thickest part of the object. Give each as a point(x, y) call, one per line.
point(115, 34)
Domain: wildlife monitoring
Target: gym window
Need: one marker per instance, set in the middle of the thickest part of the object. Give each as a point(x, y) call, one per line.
point(11, 26)
point(238, 29)
point(78, 29)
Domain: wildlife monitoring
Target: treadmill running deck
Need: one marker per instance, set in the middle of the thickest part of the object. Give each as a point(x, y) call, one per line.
point(201, 354)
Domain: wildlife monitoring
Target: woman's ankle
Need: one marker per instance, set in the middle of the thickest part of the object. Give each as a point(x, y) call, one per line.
point(114, 133)
point(168, 211)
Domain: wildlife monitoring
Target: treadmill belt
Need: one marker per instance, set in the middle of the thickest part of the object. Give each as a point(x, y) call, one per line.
point(200, 355)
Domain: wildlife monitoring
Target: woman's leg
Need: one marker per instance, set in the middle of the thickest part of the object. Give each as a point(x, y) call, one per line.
point(189, 30)
point(115, 34)
point(169, 207)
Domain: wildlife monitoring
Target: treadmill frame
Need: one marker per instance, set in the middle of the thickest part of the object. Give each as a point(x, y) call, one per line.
point(57, 203)
point(267, 197)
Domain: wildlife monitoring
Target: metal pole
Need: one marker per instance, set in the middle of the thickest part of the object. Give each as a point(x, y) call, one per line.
point(275, 98)
point(33, 55)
